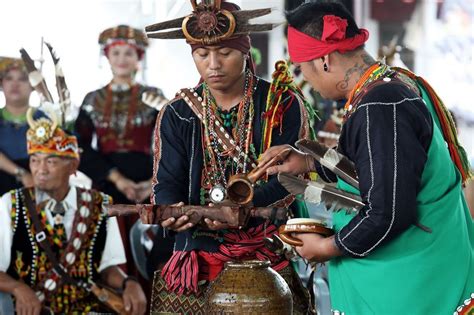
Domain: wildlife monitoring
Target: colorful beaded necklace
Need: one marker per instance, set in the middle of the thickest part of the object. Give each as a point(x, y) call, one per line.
point(374, 72)
point(218, 164)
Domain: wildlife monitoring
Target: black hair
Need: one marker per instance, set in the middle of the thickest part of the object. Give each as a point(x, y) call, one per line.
point(308, 17)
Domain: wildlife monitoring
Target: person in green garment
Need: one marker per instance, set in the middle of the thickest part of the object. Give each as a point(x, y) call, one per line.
point(14, 169)
point(409, 250)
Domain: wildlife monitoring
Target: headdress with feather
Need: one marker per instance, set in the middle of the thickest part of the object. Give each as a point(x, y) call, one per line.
point(210, 24)
point(45, 134)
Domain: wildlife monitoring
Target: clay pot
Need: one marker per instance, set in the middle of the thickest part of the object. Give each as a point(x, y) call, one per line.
point(249, 287)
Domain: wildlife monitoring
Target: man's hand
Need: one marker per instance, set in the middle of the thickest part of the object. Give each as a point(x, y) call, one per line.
point(316, 247)
point(27, 303)
point(216, 225)
point(296, 162)
point(134, 298)
point(178, 225)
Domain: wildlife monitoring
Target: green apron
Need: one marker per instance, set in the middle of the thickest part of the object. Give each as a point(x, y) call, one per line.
point(416, 272)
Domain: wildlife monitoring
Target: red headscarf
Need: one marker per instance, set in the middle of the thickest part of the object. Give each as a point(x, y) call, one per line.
point(302, 47)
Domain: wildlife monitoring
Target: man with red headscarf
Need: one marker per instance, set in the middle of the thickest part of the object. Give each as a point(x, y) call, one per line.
point(397, 252)
point(193, 162)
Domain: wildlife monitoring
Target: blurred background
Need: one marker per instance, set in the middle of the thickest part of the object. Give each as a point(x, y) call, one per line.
point(434, 38)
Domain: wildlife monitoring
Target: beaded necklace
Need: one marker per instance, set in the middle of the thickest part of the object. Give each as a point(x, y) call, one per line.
point(229, 117)
point(218, 164)
point(374, 72)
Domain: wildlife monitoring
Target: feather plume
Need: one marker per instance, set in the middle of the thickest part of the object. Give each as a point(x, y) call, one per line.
point(245, 29)
point(331, 159)
point(245, 15)
point(176, 23)
point(167, 35)
point(63, 92)
point(36, 78)
point(317, 192)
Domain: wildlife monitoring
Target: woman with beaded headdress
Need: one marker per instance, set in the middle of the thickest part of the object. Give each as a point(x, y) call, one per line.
point(122, 122)
point(120, 117)
point(211, 132)
point(13, 126)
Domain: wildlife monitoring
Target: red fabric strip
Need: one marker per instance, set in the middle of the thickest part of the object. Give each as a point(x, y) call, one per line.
point(302, 47)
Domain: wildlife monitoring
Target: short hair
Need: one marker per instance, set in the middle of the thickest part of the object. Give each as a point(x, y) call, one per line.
point(308, 18)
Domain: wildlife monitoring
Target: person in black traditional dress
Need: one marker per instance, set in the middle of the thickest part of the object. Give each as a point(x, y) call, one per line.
point(193, 164)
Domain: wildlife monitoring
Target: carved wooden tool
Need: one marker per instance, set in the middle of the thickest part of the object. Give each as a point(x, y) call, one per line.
point(235, 216)
point(240, 188)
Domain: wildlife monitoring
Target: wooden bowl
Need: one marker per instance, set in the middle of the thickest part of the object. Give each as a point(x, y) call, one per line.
point(302, 225)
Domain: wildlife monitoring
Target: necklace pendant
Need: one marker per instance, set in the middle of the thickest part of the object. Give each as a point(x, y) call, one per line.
point(217, 193)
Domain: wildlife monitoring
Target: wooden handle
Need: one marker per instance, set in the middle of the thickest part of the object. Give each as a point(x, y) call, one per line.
point(258, 172)
point(109, 298)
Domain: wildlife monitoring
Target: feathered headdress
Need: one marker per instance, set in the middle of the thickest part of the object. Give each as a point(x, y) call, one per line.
point(45, 134)
point(210, 24)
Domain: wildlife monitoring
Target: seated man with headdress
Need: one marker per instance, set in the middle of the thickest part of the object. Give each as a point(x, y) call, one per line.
point(58, 246)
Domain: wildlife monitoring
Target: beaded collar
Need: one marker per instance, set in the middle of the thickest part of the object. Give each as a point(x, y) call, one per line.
point(375, 72)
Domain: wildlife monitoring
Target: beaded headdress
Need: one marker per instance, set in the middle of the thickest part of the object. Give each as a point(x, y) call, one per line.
point(209, 24)
point(8, 63)
point(45, 134)
point(123, 34)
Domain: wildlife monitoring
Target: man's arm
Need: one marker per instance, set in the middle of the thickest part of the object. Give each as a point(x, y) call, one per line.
point(11, 168)
point(171, 165)
point(133, 297)
point(26, 300)
point(387, 138)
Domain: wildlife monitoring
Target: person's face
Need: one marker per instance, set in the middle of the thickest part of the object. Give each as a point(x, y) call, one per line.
point(220, 67)
point(16, 87)
point(51, 173)
point(123, 60)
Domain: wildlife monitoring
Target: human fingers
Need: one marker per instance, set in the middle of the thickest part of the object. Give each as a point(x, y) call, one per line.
point(270, 153)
